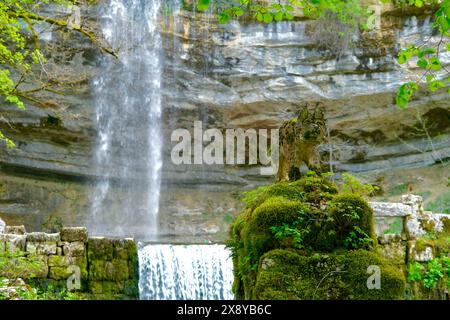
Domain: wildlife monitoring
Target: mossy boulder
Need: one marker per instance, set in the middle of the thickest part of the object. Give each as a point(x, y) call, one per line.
point(312, 189)
point(287, 275)
point(308, 215)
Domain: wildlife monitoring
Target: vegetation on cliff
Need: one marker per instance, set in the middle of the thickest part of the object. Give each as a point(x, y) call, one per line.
point(431, 279)
point(23, 72)
point(341, 18)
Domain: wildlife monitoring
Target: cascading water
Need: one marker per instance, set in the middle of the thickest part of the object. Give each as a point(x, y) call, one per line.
point(191, 272)
point(129, 158)
point(128, 103)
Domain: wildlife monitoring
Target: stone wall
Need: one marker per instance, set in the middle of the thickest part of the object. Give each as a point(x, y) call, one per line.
point(95, 267)
point(408, 234)
point(404, 223)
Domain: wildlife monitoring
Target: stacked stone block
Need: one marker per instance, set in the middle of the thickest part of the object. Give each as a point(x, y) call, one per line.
point(113, 267)
point(101, 268)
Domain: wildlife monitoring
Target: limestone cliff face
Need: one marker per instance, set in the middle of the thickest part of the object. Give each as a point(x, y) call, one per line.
point(243, 75)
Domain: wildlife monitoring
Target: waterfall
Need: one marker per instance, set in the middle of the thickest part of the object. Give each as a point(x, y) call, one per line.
point(185, 272)
point(128, 156)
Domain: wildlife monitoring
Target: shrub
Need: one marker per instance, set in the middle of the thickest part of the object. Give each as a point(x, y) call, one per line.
point(352, 218)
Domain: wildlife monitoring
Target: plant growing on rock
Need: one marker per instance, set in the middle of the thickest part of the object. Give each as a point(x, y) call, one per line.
point(436, 273)
point(22, 59)
point(350, 184)
point(435, 74)
point(17, 264)
point(342, 18)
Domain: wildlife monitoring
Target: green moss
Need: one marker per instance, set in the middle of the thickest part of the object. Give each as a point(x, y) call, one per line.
point(307, 214)
point(276, 211)
point(256, 197)
point(131, 288)
point(63, 262)
point(112, 287)
point(100, 270)
point(422, 243)
point(428, 225)
point(446, 225)
point(285, 274)
point(314, 183)
point(312, 189)
point(115, 270)
point(100, 248)
point(442, 245)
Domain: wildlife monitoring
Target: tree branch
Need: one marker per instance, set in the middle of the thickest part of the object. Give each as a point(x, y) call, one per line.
point(33, 16)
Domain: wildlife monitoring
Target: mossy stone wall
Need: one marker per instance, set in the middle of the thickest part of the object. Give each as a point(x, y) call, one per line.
point(95, 267)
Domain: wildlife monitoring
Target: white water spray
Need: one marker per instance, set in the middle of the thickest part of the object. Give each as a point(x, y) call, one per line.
point(185, 272)
point(128, 114)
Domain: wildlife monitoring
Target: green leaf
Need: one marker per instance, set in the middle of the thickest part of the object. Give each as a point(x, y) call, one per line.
point(259, 17)
point(203, 5)
point(238, 11)
point(288, 16)
point(268, 17)
point(435, 64)
point(223, 18)
point(402, 58)
point(279, 16)
point(422, 63)
point(436, 84)
point(405, 93)
point(289, 8)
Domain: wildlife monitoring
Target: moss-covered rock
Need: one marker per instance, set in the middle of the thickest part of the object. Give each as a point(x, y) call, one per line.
point(115, 270)
point(446, 225)
point(286, 274)
point(313, 189)
point(308, 216)
point(100, 248)
point(73, 234)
